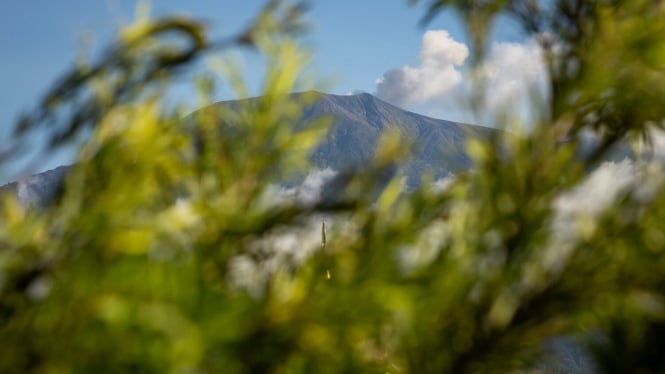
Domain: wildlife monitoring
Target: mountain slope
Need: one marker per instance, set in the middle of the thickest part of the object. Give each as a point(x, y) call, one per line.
point(38, 190)
point(358, 121)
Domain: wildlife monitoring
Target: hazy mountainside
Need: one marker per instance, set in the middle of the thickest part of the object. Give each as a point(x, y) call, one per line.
point(358, 121)
point(40, 189)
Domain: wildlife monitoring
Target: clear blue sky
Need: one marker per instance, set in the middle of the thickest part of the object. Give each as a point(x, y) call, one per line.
point(354, 41)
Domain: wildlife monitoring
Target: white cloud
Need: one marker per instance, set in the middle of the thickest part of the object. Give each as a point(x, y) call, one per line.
point(285, 246)
point(658, 139)
point(511, 73)
point(576, 211)
point(438, 72)
point(509, 77)
point(596, 192)
point(442, 185)
point(656, 148)
point(308, 192)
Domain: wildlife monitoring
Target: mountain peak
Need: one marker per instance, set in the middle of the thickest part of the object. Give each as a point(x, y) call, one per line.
point(360, 119)
point(358, 122)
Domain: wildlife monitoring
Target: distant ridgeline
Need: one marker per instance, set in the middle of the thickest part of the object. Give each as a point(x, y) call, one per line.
point(39, 190)
point(358, 121)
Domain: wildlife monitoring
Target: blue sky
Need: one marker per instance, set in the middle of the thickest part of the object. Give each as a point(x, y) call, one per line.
point(355, 43)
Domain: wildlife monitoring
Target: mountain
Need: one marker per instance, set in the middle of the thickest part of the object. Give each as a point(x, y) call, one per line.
point(40, 189)
point(358, 121)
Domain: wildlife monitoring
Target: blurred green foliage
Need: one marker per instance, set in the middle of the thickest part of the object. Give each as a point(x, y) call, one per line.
point(159, 255)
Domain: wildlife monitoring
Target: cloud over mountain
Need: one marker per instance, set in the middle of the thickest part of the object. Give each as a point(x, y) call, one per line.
point(437, 74)
point(511, 73)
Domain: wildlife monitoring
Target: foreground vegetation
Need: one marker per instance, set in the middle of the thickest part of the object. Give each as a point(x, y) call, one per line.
point(160, 255)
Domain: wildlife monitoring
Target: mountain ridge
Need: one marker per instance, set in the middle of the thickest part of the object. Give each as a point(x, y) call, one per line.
point(440, 144)
point(358, 122)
